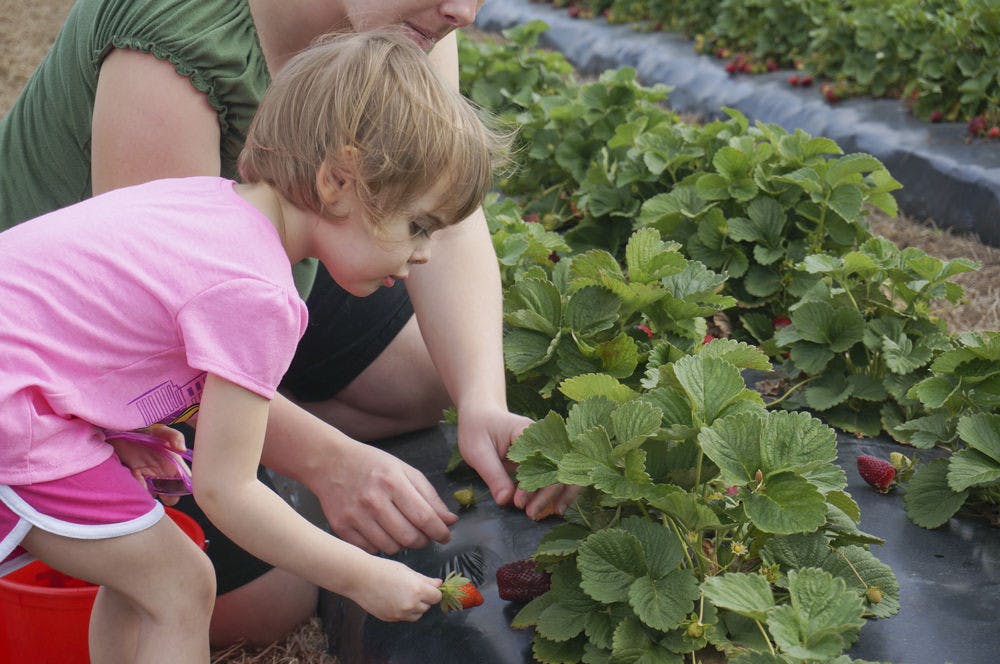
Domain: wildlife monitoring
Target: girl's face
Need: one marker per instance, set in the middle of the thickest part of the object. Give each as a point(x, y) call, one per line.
point(426, 21)
point(360, 258)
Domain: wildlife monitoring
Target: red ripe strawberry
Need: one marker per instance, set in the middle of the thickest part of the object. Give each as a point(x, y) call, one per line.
point(994, 132)
point(781, 321)
point(806, 81)
point(708, 338)
point(976, 125)
point(457, 592)
point(793, 80)
point(521, 581)
point(645, 329)
point(877, 472)
point(937, 116)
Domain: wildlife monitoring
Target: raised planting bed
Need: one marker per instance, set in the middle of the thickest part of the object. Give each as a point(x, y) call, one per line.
point(949, 578)
point(954, 183)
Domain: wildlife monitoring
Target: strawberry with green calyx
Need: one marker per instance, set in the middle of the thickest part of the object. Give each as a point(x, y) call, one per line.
point(522, 581)
point(879, 473)
point(457, 593)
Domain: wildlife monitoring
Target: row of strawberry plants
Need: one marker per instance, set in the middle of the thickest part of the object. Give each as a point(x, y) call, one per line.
point(622, 232)
point(844, 315)
point(940, 56)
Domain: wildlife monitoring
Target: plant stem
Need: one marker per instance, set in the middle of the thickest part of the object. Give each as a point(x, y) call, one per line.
point(766, 637)
point(790, 390)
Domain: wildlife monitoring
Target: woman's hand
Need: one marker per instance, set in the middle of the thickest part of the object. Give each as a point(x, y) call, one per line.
point(484, 436)
point(380, 503)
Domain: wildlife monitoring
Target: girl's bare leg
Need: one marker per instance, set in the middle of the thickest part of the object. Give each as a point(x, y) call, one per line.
point(159, 598)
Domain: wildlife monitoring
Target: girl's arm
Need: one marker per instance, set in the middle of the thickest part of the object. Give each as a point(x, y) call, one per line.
point(228, 445)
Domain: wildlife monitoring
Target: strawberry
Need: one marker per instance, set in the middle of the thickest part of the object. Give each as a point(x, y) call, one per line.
point(793, 80)
point(457, 593)
point(806, 81)
point(937, 116)
point(877, 472)
point(993, 132)
point(521, 581)
point(708, 338)
point(781, 321)
point(645, 329)
point(465, 497)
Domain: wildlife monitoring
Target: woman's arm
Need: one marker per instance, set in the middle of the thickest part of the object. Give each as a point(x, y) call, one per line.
point(149, 122)
point(464, 334)
point(228, 446)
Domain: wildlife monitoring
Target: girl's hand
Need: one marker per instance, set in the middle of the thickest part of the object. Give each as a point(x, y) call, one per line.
point(393, 592)
point(144, 462)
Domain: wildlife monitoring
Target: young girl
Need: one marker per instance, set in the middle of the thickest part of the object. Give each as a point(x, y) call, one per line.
point(147, 304)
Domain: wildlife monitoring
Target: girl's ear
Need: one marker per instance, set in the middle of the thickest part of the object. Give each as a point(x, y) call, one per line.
point(335, 178)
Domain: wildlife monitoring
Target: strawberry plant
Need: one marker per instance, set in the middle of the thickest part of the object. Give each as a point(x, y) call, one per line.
point(962, 417)
point(580, 316)
point(706, 521)
point(863, 333)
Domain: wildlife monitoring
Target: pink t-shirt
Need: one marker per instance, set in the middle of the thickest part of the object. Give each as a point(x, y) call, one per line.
point(113, 310)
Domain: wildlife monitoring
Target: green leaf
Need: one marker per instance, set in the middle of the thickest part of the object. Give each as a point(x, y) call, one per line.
point(633, 645)
point(564, 619)
point(811, 358)
point(851, 562)
point(822, 323)
point(546, 436)
point(609, 562)
point(848, 167)
point(537, 472)
point(662, 603)
point(591, 449)
point(534, 304)
point(524, 350)
point(662, 550)
point(747, 594)
point(796, 441)
point(828, 391)
point(648, 258)
point(563, 540)
point(822, 609)
point(528, 616)
point(711, 384)
point(737, 353)
point(592, 309)
point(557, 652)
point(585, 386)
point(634, 422)
point(929, 500)
point(788, 504)
point(969, 468)
point(982, 432)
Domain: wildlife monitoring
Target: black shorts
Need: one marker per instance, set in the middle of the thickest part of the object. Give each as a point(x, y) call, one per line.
point(344, 336)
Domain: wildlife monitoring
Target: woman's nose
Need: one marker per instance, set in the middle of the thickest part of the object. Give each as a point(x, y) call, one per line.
point(460, 13)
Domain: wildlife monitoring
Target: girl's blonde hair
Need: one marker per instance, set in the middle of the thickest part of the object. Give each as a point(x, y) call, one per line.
point(371, 104)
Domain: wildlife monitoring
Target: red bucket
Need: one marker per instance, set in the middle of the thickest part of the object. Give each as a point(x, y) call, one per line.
point(44, 614)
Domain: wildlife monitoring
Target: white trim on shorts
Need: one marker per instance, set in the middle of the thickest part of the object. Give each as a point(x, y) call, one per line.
point(75, 530)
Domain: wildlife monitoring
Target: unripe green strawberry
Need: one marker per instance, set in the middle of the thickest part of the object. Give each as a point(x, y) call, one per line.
point(874, 594)
point(466, 497)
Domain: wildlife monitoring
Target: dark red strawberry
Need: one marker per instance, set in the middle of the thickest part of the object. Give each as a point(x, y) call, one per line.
point(793, 80)
point(521, 581)
point(937, 116)
point(781, 321)
point(877, 472)
point(806, 81)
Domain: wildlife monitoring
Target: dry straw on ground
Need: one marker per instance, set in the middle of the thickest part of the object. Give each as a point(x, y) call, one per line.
point(26, 31)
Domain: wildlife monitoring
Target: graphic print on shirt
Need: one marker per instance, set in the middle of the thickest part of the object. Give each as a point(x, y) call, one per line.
point(169, 403)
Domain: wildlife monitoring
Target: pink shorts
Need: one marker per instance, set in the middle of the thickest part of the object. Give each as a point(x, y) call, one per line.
point(104, 501)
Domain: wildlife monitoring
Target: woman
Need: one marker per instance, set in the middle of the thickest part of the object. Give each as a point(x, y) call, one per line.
point(135, 90)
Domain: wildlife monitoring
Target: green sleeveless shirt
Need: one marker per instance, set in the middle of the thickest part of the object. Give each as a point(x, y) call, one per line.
point(45, 137)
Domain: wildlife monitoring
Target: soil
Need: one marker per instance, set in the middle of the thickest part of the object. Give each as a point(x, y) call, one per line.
point(27, 29)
